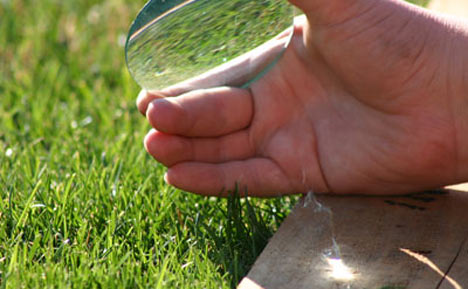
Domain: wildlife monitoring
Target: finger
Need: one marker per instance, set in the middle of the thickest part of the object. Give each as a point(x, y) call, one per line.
point(258, 176)
point(171, 149)
point(318, 5)
point(306, 5)
point(145, 98)
point(202, 113)
point(331, 11)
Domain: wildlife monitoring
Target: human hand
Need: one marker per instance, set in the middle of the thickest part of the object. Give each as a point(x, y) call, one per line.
point(359, 103)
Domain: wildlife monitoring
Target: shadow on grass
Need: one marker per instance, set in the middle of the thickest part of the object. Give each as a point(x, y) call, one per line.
point(247, 226)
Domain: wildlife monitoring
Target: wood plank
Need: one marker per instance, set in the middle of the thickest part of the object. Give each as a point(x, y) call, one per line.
point(453, 7)
point(391, 242)
point(459, 270)
point(459, 187)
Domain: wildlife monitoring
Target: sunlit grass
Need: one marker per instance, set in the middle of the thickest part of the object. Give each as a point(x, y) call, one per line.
point(82, 205)
point(420, 2)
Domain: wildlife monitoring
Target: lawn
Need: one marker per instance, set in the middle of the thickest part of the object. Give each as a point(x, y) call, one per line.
point(82, 204)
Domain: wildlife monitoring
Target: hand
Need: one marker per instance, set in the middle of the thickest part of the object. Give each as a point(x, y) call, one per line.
point(360, 102)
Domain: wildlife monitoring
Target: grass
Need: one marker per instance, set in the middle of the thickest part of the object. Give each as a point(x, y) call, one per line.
point(420, 2)
point(82, 205)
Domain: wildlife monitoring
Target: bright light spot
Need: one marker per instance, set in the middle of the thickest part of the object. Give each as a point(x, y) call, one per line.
point(186, 265)
point(87, 120)
point(38, 206)
point(121, 40)
point(9, 153)
point(339, 270)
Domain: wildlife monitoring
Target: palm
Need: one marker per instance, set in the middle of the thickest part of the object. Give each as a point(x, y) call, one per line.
point(332, 140)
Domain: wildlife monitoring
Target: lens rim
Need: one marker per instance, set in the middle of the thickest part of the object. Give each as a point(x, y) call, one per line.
point(155, 10)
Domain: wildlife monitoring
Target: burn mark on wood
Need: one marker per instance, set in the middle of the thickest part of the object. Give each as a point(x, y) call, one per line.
point(422, 198)
point(422, 252)
point(401, 204)
point(439, 192)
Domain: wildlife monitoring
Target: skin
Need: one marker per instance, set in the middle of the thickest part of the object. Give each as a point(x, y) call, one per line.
point(368, 98)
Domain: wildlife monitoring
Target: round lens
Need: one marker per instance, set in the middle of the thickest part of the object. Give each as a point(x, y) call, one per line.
point(184, 45)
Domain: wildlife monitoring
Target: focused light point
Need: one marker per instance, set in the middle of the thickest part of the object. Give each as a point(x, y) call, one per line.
point(339, 271)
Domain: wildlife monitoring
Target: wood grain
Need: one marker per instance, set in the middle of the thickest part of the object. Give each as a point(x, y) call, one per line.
point(395, 242)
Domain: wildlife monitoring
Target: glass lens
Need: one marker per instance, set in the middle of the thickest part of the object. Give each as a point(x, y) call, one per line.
point(177, 45)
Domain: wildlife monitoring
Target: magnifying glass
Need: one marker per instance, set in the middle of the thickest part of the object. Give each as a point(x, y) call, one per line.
point(175, 46)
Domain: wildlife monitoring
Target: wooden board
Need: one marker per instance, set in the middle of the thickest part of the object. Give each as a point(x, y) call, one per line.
point(417, 241)
point(453, 7)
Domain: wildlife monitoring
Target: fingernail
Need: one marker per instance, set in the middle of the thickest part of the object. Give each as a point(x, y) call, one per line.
point(140, 101)
point(150, 108)
point(161, 109)
point(158, 102)
point(166, 178)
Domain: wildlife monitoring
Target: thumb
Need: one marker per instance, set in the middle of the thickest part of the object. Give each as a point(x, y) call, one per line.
point(331, 11)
